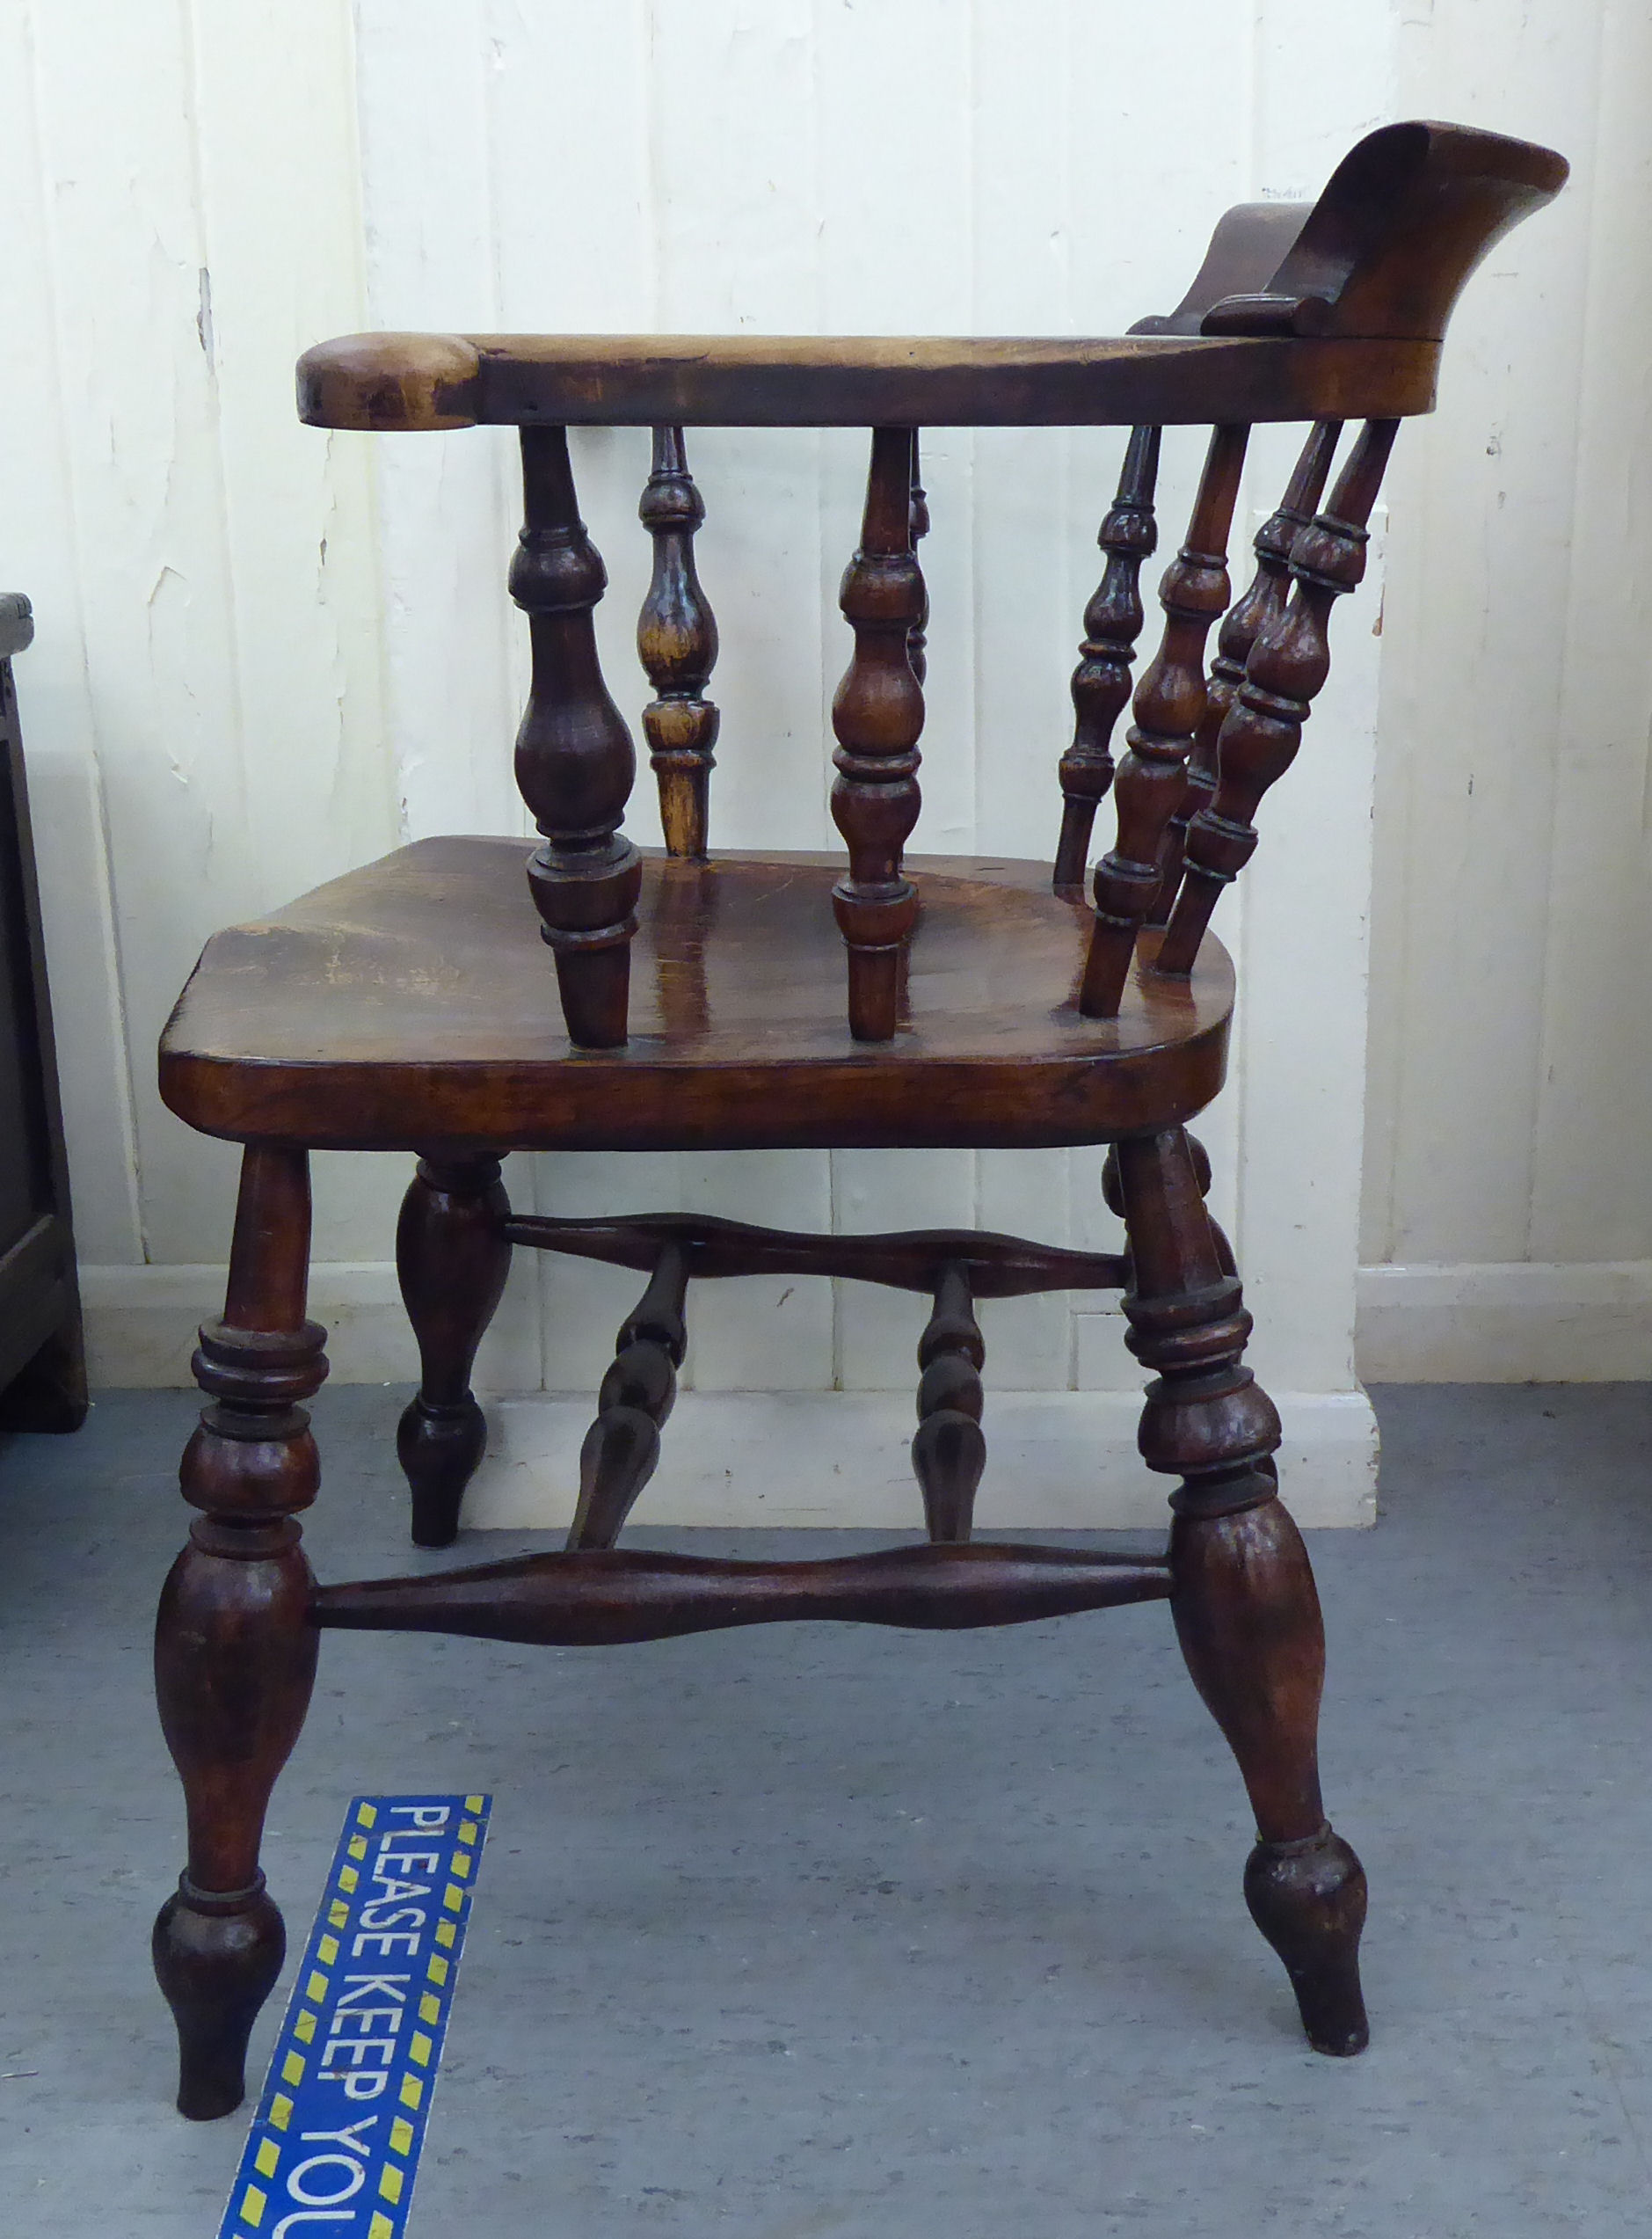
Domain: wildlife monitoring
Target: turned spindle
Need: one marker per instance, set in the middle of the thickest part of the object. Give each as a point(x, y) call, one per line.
point(1100, 683)
point(677, 644)
point(622, 1445)
point(948, 1451)
point(574, 758)
point(917, 641)
point(234, 1650)
point(1251, 614)
point(452, 1259)
point(877, 715)
point(1288, 664)
point(1169, 701)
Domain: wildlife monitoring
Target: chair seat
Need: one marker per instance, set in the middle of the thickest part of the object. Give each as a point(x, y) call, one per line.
point(412, 1006)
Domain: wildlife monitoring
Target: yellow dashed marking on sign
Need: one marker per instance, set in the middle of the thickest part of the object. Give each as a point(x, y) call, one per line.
point(305, 2099)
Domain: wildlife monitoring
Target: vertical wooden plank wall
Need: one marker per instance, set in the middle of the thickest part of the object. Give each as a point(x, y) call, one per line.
point(1508, 1224)
point(263, 655)
point(202, 716)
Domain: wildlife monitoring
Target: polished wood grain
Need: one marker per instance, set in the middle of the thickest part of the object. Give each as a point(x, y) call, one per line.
point(415, 382)
point(407, 1006)
point(1246, 1611)
point(575, 763)
point(1258, 608)
point(1100, 683)
point(677, 644)
point(235, 1650)
point(917, 638)
point(601, 1599)
point(452, 1259)
point(1285, 669)
point(622, 1445)
point(877, 715)
point(1168, 709)
point(949, 1450)
point(913, 1259)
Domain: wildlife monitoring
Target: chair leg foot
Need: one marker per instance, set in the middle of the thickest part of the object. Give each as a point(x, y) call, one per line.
point(216, 1960)
point(1308, 1899)
point(439, 1448)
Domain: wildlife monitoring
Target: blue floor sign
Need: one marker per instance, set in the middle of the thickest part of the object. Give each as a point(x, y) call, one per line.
point(335, 2146)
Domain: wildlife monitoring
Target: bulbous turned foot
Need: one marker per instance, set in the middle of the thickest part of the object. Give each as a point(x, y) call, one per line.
point(1308, 1899)
point(439, 1447)
point(216, 1960)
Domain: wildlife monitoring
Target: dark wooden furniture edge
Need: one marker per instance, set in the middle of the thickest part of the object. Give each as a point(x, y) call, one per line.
point(42, 1351)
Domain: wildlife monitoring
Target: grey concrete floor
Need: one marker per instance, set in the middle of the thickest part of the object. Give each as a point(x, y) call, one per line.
point(833, 1931)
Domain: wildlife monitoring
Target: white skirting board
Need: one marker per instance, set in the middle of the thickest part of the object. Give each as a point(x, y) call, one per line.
point(1524, 1322)
point(1055, 1459)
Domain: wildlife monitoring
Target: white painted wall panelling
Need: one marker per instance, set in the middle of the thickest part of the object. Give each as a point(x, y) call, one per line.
point(793, 167)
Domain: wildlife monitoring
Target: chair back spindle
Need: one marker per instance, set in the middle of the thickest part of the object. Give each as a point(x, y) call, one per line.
point(1169, 704)
point(917, 641)
point(1288, 664)
point(677, 645)
point(1100, 683)
point(877, 715)
point(575, 763)
point(1244, 621)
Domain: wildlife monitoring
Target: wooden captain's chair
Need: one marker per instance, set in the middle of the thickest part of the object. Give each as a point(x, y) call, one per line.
point(441, 1003)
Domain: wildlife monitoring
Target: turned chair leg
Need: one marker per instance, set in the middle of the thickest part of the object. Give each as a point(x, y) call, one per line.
point(452, 1259)
point(234, 1650)
point(1246, 1611)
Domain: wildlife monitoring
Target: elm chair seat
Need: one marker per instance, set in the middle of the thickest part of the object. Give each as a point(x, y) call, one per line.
point(393, 1005)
